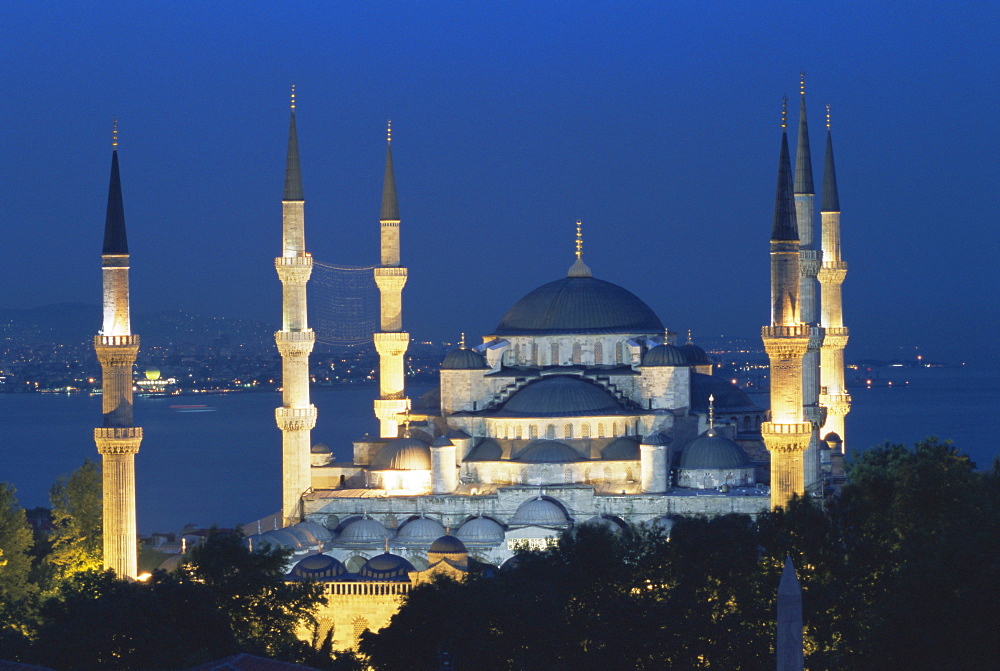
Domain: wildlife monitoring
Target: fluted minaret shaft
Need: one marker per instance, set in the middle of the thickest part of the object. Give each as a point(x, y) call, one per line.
point(117, 439)
point(833, 396)
point(392, 342)
point(297, 416)
point(810, 258)
point(786, 435)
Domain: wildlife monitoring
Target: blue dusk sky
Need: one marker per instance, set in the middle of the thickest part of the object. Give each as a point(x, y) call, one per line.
point(655, 123)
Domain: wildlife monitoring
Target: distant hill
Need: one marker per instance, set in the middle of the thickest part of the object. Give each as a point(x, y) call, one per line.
point(75, 323)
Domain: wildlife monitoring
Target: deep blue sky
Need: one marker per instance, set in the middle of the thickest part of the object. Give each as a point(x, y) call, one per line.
point(655, 123)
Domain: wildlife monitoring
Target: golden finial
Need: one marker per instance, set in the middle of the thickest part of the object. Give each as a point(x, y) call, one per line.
point(802, 83)
point(579, 239)
point(114, 133)
point(711, 411)
point(784, 111)
point(388, 131)
point(293, 97)
point(387, 546)
point(461, 343)
point(689, 342)
point(828, 116)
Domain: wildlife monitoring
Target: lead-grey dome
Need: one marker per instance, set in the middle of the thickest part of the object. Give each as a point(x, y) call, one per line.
point(695, 355)
point(403, 454)
point(318, 567)
point(579, 305)
point(365, 531)
point(539, 512)
point(712, 450)
point(463, 359)
point(548, 452)
point(421, 530)
point(665, 355)
point(621, 449)
point(386, 567)
point(481, 531)
point(318, 531)
point(560, 396)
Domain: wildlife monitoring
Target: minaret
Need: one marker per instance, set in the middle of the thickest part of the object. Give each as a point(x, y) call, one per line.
point(809, 262)
point(786, 435)
point(117, 439)
point(834, 396)
point(297, 416)
point(788, 646)
point(392, 342)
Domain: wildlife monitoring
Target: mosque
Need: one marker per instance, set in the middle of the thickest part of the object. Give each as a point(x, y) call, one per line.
point(579, 408)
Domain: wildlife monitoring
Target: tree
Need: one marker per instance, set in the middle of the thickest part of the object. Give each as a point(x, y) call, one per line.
point(77, 513)
point(15, 544)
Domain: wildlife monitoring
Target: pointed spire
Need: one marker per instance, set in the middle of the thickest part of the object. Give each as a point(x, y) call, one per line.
point(461, 343)
point(711, 411)
point(115, 240)
point(803, 158)
point(831, 200)
point(784, 227)
point(579, 268)
point(293, 172)
point(390, 206)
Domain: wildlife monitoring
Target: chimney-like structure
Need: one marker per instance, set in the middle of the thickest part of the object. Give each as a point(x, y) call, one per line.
point(391, 342)
point(118, 438)
point(833, 391)
point(297, 416)
point(786, 435)
point(788, 645)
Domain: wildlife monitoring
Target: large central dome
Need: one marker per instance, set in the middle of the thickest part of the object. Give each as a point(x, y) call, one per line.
point(579, 305)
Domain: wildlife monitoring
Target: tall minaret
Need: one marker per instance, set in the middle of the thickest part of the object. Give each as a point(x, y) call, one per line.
point(117, 439)
point(297, 416)
point(809, 259)
point(834, 395)
point(392, 342)
point(786, 436)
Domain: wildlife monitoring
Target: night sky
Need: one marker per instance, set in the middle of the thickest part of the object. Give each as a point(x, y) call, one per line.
point(657, 124)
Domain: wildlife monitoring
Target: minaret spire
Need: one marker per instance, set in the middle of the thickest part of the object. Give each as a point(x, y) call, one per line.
point(117, 439)
point(803, 159)
point(392, 342)
point(579, 268)
point(835, 397)
point(297, 416)
point(785, 339)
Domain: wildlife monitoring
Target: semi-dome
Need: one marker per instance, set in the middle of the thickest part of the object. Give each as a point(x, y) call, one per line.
point(317, 531)
point(728, 397)
point(560, 396)
point(463, 359)
point(665, 355)
point(364, 531)
point(317, 567)
point(712, 450)
point(422, 530)
point(579, 305)
point(386, 567)
point(621, 449)
point(548, 452)
point(403, 454)
point(487, 450)
point(480, 531)
point(303, 535)
point(448, 545)
point(694, 355)
point(539, 512)
point(283, 538)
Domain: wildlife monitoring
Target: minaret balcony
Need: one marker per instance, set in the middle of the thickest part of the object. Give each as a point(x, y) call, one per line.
point(295, 343)
point(294, 269)
point(116, 341)
point(296, 419)
point(118, 439)
point(832, 272)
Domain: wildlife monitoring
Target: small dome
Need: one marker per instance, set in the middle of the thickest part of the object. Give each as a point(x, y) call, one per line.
point(548, 452)
point(560, 396)
point(605, 523)
point(365, 531)
point(318, 531)
point(621, 449)
point(539, 512)
point(712, 450)
point(386, 567)
point(579, 304)
point(318, 567)
point(422, 530)
point(448, 545)
point(481, 531)
point(487, 450)
point(463, 359)
point(403, 454)
point(303, 535)
point(283, 538)
point(833, 440)
point(694, 355)
point(665, 355)
point(320, 448)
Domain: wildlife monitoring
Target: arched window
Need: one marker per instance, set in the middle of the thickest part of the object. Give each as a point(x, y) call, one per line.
point(607, 473)
point(534, 353)
point(532, 432)
point(628, 475)
point(598, 353)
point(585, 430)
point(568, 431)
point(614, 429)
point(554, 354)
point(568, 476)
point(746, 423)
point(517, 432)
point(619, 359)
point(577, 353)
point(550, 431)
point(517, 354)
point(600, 429)
point(360, 627)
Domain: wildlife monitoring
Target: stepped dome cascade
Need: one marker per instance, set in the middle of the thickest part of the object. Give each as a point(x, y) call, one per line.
point(579, 305)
